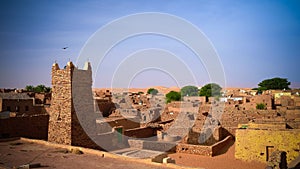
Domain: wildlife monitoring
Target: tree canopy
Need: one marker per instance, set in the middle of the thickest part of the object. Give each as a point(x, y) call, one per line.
point(274, 83)
point(152, 91)
point(29, 88)
point(173, 96)
point(140, 92)
point(260, 106)
point(189, 91)
point(211, 89)
point(38, 88)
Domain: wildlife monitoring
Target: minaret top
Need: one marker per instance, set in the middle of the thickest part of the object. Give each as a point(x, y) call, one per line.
point(87, 66)
point(55, 66)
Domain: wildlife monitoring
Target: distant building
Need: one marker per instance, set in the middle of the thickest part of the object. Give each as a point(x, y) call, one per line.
point(278, 94)
point(20, 104)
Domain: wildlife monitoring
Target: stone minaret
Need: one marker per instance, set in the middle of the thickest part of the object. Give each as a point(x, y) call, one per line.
point(72, 99)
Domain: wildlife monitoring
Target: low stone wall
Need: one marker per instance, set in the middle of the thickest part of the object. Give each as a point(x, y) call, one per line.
point(220, 145)
point(203, 150)
point(140, 132)
point(126, 123)
point(153, 145)
point(35, 127)
point(194, 149)
point(180, 147)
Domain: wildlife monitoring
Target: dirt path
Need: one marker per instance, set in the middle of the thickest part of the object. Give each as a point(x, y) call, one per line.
point(223, 161)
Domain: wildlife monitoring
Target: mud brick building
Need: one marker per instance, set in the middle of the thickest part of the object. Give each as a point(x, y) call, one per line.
point(20, 104)
point(103, 98)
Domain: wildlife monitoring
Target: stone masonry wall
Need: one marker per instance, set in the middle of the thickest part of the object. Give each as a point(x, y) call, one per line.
point(22, 107)
point(203, 149)
point(72, 99)
point(35, 127)
point(61, 105)
point(253, 144)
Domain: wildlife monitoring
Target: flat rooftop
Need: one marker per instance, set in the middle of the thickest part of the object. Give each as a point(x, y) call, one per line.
point(20, 152)
point(17, 152)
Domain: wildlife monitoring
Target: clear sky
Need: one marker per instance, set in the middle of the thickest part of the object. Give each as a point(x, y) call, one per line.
point(255, 40)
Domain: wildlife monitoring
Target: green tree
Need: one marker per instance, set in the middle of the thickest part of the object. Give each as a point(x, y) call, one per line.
point(140, 92)
point(275, 83)
point(29, 88)
point(189, 91)
point(173, 96)
point(260, 106)
point(211, 89)
point(152, 91)
point(40, 88)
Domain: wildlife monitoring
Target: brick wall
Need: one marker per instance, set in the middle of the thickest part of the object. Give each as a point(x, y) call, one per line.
point(35, 127)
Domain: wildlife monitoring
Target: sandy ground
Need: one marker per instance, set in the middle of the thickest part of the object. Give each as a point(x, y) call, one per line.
point(20, 152)
point(17, 153)
point(225, 160)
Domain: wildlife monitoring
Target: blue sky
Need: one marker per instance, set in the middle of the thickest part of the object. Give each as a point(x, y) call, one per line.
point(255, 40)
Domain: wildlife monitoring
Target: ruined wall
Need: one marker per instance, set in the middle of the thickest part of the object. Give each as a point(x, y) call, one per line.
point(140, 132)
point(266, 99)
point(194, 149)
point(22, 107)
point(202, 149)
point(105, 107)
point(285, 101)
point(162, 146)
point(35, 127)
point(213, 135)
point(126, 123)
point(201, 99)
point(42, 98)
point(167, 115)
point(252, 144)
point(232, 116)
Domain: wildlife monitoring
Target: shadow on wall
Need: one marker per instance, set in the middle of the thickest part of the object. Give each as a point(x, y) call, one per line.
point(225, 148)
point(34, 127)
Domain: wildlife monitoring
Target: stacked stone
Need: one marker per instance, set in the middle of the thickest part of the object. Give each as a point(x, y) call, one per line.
point(277, 160)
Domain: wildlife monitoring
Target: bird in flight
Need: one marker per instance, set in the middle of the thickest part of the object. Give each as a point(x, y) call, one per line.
point(64, 48)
